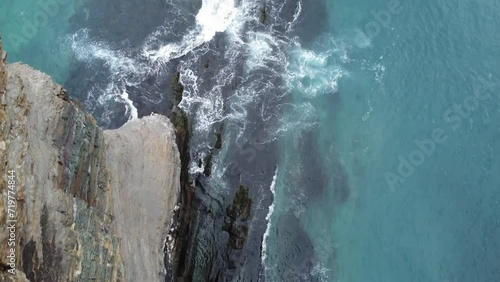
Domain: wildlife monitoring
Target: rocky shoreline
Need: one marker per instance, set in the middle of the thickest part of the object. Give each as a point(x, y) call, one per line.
point(180, 246)
point(91, 205)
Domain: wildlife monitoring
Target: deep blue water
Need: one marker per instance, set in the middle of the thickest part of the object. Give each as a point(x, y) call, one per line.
point(366, 131)
point(406, 142)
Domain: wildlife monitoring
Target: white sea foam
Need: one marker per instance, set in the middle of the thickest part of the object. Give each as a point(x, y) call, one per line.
point(268, 218)
point(263, 48)
point(131, 109)
point(88, 50)
point(370, 110)
point(296, 15)
point(321, 272)
point(259, 50)
point(120, 66)
point(314, 73)
point(193, 166)
point(379, 73)
point(209, 105)
point(214, 16)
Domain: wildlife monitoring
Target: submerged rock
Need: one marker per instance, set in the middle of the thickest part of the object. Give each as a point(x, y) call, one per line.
point(91, 205)
point(264, 18)
point(207, 171)
point(242, 204)
point(237, 215)
point(218, 141)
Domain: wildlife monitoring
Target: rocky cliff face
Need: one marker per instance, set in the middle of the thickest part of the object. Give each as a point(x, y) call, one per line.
point(143, 157)
point(86, 204)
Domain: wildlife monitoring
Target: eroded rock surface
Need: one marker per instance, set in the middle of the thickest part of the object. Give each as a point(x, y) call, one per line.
point(91, 205)
point(143, 157)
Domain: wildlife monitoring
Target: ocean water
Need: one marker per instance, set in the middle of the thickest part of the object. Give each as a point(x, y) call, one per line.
point(395, 204)
point(365, 131)
point(35, 33)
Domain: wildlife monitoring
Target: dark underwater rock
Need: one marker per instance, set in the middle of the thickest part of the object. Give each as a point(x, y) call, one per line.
point(207, 171)
point(236, 216)
point(218, 141)
point(264, 18)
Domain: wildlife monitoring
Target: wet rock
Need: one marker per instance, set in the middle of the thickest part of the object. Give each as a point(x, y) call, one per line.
point(177, 88)
point(264, 18)
point(241, 206)
point(177, 262)
point(207, 171)
point(236, 216)
point(218, 141)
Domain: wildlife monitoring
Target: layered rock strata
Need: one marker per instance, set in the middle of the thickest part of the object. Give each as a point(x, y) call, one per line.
point(90, 205)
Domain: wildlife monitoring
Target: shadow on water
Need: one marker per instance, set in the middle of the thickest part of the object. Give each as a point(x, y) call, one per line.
point(296, 250)
point(313, 21)
point(314, 177)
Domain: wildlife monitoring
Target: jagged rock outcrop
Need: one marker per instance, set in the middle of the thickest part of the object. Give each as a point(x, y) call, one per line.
point(237, 214)
point(91, 205)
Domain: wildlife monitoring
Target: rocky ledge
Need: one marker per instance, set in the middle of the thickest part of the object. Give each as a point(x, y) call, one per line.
point(88, 204)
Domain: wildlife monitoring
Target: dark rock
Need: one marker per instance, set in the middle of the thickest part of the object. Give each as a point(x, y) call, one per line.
point(208, 166)
point(237, 215)
point(218, 141)
point(242, 204)
point(264, 18)
point(177, 88)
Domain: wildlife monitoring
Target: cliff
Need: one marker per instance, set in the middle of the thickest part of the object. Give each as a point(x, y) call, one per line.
point(85, 204)
point(143, 157)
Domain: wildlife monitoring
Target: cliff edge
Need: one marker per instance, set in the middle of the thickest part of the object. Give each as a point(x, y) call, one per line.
point(143, 157)
point(85, 204)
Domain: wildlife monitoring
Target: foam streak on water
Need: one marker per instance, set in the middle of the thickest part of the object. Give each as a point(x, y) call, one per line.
point(120, 67)
point(268, 218)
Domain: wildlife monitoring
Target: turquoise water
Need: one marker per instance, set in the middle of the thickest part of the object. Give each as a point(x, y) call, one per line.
point(385, 136)
point(401, 82)
point(36, 32)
